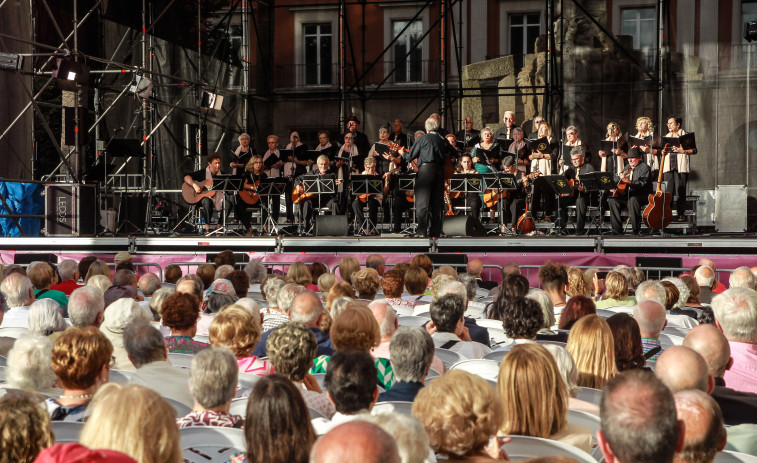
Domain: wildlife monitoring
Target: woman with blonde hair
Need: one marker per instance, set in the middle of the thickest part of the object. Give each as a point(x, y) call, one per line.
point(339, 290)
point(134, 420)
point(25, 428)
point(298, 273)
point(100, 282)
point(325, 282)
point(366, 283)
point(536, 399)
point(461, 414)
point(645, 129)
point(616, 292)
point(577, 283)
point(348, 266)
point(98, 267)
point(237, 329)
point(593, 348)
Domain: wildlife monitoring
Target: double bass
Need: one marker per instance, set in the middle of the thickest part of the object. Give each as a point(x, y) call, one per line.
point(658, 213)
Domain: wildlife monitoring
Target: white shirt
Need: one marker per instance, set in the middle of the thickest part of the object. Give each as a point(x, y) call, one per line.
point(468, 349)
point(16, 317)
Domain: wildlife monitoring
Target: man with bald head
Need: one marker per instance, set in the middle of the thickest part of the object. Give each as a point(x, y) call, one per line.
point(742, 277)
point(376, 262)
point(703, 432)
point(705, 277)
point(650, 316)
point(475, 268)
point(719, 287)
point(736, 316)
point(357, 441)
point(682, 368)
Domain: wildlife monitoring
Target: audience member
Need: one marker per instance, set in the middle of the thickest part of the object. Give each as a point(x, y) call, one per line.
point(650, 315)
point(116, 317)
point(576, 307)
point(291, 349)
point(416, 282)
point(376, 262)
point(306, 309)
point(238, 330)
point(736, 316)
point(591, 344)
point(180, 314)
point(69, 277)
point(25, 428)
point(145, 429)
point(157, 299)
point(273, 315)
point(212, 382)
point(461, 413)
point(742, 277)
point(705, 277)
point(632, 433)
point(29, 365)
point(629, 353)
point(317, 269)
point(703, 431)
point(351, 382)
point(81, 360)
point(412, 351)
point(616, 292)
point(475, 268)
point(366, 283)
point(41, 275)
point(412, 440)
point(681, 368)
point(97, 267)
point(577, 283)
point(148, 284)
point(220, 294)
point(222, 272)
point(535, 398)
point(19, 295)
point(45, 317)
point(325, 282)
point(86, 307)
point(567, 368)
point(523, 318)
point(513, 286)
point(172, 274)
point(392, 285)
point(356, 441)
point(147, 352)
point(348, 266)
point(100, 282)
point(477, 333)
point(240, 281)
point(448, 327)
point(207, 273)
point(83, 266)
point(74, 452)
point(554, 280)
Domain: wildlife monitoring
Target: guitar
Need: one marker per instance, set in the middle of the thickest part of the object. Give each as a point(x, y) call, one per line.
point(299, 195)
point(249, 196)
point(191, 196)
point(621, 188)
point(492, 197)
point(658, 213)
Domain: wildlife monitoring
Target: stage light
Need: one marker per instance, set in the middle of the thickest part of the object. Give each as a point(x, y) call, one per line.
point(211, 101)
point(141, 86)
point(70, 74)
point(750, 31)
point(11, 62)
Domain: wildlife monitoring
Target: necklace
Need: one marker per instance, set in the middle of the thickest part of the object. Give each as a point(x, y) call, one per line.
point(83, 396)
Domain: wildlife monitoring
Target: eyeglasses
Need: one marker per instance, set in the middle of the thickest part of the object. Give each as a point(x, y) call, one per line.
point(295, 136)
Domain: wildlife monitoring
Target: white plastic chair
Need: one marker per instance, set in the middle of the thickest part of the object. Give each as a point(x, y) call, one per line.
point(211, 444)
point(12, 332)
point(66, 431)
point(180, 407)
point(201, 338)
point(728, 456)
point(487, 369)
point(489, 323)
point(498, 337)
point(403, 310)
point(180, 360)
point(412, 320)
point(522, 448)
point(588, 394)
point(669, 340)
point(593, 423)
point(3, 361)
point(620, 309)
point(239, 406)
point(448, 357)
point(402, 407)
point(2, 373)
point(120, 376)
point(499, 354)
point(247, 380)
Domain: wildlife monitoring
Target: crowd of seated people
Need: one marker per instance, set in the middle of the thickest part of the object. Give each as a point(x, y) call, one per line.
point(368, 362)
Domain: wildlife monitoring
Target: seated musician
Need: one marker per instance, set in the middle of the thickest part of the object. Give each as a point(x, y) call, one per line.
point(580, 196)
point(308, 202)
point(472, 200)
point(373, 201)
point(489, 144)
point(515, 200)
point(202, 179)
point(253, 173)
point(637, 183)
point(468, 131)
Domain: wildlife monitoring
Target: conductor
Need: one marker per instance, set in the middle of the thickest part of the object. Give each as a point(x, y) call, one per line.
point(430, 151)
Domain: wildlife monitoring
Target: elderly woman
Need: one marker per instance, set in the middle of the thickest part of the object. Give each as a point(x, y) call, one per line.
point(629, 352)
point(25, 428)
point(237, 329)
point(393, 283)
point(522, 320)
point(298, 273)
point(366, 283)
point(29, 365)
point(156, 301)
point(342, 289)
point(212, 382)
point(100, 282)
point(416, 282)
point(81, 360)
point(45, 317)
point(291, 349)
point(145, 429)
point(117, 315)
point(616, 291)
point(592, 346)
point(461, 414)
point(325, 282)
point(277, 427)
point(535, 398)
point(355, 328)
point(180, 315)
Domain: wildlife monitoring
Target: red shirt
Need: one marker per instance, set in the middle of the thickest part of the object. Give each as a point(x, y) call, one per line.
point(67, 287)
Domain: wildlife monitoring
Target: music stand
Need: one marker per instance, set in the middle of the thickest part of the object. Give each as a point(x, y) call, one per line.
point(269, 188)
point(315, 185)
point(560, 186)
point(601, 182)
point(500, 181)
point(464, 184)
point(226, 184)
point(365, 185)
point(406, 182)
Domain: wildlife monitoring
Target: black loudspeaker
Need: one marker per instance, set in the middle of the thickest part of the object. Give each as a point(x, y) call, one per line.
point(462, 225)
point(29, 258)
point(70, 209)
point(673, 263)
point(331, 225)
point(458, 261)
point(132, 213)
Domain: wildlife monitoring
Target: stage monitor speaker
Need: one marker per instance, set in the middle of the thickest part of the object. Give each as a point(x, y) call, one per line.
point(462, 225)
point(673, 263)
point(239, 256)
point(331, 225)
point(132, 213)
point(70, 209)
point(22, 259)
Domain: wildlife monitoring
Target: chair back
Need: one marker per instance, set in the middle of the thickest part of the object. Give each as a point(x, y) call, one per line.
point(412, 320)
point(120, 376)
point(211, 444)
point(12, 332)
point(588, 394)
point(405, 408)
point(448, 357)
point(180, 360)
point(67, 431)
point(522, 448)
point(728, 456)
point(180, 407)
point(487, 369)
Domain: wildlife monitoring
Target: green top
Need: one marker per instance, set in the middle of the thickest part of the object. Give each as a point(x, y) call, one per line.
point(605, 303)
point(384, 367)
point(57, 296)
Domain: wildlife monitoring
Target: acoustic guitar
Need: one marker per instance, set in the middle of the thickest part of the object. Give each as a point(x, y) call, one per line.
point(658, 213)
point(249, 196)
point(192, 197)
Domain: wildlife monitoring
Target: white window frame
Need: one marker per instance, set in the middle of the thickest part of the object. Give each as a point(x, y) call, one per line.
point(304, 16)
point(404, 13)
point(508, 8)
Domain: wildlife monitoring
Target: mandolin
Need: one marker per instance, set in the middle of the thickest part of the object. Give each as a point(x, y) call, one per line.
point(658, 213)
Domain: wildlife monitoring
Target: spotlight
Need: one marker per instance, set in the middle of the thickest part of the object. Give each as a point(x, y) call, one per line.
point(11, 62)
point(70, 74)
point(211, 101)
point(142, 86)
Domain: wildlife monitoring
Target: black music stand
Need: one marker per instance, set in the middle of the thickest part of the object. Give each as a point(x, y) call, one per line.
point(466, 183)
point(601, 182)
point(406, 182)
point(269, 188)
point(560, 186)
point(227, 185)
point(499, 181)
point(365, 185)
point(315, 185)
